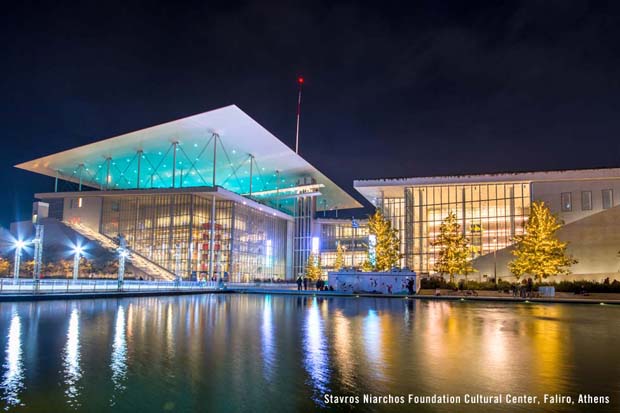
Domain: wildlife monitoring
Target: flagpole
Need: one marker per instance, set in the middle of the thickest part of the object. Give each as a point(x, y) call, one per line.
point(300, 81)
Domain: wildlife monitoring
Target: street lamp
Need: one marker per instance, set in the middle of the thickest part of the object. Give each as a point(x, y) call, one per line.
point(77, 254)
point(19, 245)
point(122, 256)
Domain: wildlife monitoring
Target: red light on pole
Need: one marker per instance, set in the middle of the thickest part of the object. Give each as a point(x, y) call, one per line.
point(300, 80)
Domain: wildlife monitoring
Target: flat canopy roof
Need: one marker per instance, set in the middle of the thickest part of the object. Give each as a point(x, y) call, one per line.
point(372, 189)
point(181, 154)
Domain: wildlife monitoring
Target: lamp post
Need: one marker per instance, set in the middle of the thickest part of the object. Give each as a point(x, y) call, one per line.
point(122, 256)
point(19, 245)
point(77, 254)
point(177, 264)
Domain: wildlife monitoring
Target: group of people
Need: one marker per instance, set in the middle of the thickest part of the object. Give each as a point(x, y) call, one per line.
point(525, 290)
point(320, 284)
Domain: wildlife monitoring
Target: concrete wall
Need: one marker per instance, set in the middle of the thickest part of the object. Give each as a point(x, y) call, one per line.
point(89, 214)
point(550, 193)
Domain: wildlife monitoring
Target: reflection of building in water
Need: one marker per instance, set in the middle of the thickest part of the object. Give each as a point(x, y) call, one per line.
point(343, 347)
point(13, 379)
point(267, 339)
point(371, 333)
point(316, 359)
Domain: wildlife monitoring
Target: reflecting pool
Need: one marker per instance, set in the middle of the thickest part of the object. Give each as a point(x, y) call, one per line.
point(284, 353)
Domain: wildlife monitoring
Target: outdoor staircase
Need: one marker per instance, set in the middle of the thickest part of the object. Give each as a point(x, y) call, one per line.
point(137, 260)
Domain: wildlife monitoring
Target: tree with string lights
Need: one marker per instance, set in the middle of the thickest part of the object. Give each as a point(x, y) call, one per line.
point(454, 250)
point(339, 261)
point(387, 246)
point(539, 252)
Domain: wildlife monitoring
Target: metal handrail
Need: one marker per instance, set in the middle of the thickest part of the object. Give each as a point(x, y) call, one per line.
point(68, 286)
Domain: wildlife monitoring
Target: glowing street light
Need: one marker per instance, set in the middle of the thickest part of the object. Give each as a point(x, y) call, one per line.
point(77, 254)
point(19, 245)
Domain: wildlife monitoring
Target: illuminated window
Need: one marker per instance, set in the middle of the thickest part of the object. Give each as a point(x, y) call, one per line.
point(567, 202)
point(608, 198)
point(75, 203)
point(586, 200)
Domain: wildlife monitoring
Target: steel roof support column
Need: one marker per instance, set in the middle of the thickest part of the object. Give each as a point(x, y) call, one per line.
point(139, 162)
point(107, 174)
point(215, 138)
point(211, 237)
point(174, 162)
point(56, 182)
point(251, 170)
point(80, 168)
point(278, 189)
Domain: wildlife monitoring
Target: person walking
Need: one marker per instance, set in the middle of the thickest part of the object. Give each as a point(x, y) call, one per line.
point(305, 283)
point(410, 286)
point(299, 282)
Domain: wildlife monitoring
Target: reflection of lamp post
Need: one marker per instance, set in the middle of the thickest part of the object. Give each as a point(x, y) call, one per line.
point(19, 244)
point(76, 261)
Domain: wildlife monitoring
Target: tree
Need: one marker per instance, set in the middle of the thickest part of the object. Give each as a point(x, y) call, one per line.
point(5, 266)
point(313, 267)
point(538, 251)
point(339, 261)
point(387, 245)
point(454, 252)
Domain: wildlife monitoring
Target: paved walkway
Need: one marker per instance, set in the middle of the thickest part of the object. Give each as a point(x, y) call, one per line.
point(448, 295)
point(489, 296)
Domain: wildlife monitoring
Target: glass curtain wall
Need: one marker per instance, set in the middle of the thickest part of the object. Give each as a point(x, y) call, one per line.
point(175, 229)
point(490, 215)
point(259, 245)
point(355, 241)
point(155, 226)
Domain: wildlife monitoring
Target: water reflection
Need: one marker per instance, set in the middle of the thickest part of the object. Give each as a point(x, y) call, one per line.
point(372, 343)
point(267, 341)
point(343, 348)
point(13, 379)
point(252, 352)
point(71, 363)
point(118, 363)
point(316, 360)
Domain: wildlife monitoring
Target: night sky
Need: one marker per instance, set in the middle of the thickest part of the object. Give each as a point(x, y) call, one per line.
point(391, 90)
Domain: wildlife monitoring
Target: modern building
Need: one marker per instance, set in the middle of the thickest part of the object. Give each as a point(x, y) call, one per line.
point(492, 209)
point(352, 235)
point(217, 195)
point(210, 195)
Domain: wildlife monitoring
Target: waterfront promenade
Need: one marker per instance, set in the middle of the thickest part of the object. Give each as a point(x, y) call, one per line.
point(26, 290)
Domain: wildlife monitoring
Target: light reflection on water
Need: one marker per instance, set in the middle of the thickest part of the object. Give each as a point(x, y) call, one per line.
point(254, 352)
point(118, 362)
point(267, 339)
point(72, 370)
point(12, 381)
point(316, 360)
